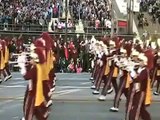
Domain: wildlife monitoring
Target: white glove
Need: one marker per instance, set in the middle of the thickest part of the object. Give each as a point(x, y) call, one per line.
point(109, 62)
point(101, 63)
point(133, 74)
point(115, 59)
point(23, 70)
point(137, 87)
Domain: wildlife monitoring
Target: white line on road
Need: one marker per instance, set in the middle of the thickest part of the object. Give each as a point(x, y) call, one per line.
point(5, 102)
point(85, 83)
point(12, 86)
point(62, 91)
point(19, 82)
point(67, 92)
point(18, 78)
point(23, 86)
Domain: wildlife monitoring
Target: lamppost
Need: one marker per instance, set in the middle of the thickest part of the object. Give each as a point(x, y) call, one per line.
point(66, 14)
point(130, 5)
point(112, 20)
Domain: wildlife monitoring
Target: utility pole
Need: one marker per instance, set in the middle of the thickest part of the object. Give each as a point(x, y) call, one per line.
point(112, 20)
point(130, 5)
point(66, 16)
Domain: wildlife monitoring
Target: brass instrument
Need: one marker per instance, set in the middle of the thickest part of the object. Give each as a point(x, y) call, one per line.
point(19, 54)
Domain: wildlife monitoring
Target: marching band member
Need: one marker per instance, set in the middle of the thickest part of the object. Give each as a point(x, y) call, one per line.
point(40, 42)
point(1, 60)
point(6, 72)
point(34, 100)
point(49, 60)
point(123, 87)
point(113, 73)
point(141, 90)
point(95, 51)
point(157, 73)
point(92, 50)
point(101, 69)
point(4, 54)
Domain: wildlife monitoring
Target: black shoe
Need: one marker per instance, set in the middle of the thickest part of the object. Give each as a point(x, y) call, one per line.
point(0, 81)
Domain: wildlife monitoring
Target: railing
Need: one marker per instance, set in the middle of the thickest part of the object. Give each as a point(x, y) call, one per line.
point(36, 27)
point(23, 27)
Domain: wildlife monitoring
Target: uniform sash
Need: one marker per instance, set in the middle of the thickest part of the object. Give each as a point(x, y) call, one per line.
point(115, 73)
point(39, 87)
point(128, 80)
point(106, 69)
point(6, 58)
point(148, 93)
point(2, 64)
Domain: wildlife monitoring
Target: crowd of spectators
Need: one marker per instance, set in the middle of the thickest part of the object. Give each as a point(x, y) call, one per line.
point(71, 55)
point(27, 14)
point(94, 13)
point(59, 26)
point(152, 8)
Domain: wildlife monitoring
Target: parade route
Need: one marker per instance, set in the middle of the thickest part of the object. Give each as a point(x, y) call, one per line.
point(72, 100)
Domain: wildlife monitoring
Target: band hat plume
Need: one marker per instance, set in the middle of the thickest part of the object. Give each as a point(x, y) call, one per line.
point(122, 50)
point(143, 58)
point(158, 42)
point(93, 40)
point(32, 47)
point(135, 53)
point(34, 56)
point(112, 43)
point(153, 45)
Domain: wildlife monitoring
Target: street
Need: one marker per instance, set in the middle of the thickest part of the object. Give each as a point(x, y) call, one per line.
point(72, 100)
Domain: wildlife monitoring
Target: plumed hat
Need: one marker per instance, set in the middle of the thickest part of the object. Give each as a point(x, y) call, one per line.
point(150, 55)
point(40, 42)
point(38, 55)
point(48, 40)
point(128, 47)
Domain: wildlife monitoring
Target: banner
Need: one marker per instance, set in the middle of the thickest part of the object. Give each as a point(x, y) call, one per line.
point(136, 5)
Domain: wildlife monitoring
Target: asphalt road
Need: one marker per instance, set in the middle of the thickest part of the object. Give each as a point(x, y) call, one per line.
point(72, 100)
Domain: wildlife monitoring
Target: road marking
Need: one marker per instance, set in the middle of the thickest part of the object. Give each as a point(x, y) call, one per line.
point(62, 91)
point(19, 82)
point(5, 102)
point(67, 92)
point(13, 86)
point(18, 78)
point(85, 83)
point(73, 87)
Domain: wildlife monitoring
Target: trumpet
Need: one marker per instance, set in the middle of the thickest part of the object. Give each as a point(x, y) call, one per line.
point(19, 54)
point(129, 66)
point(115, 56)
point(16, 62)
